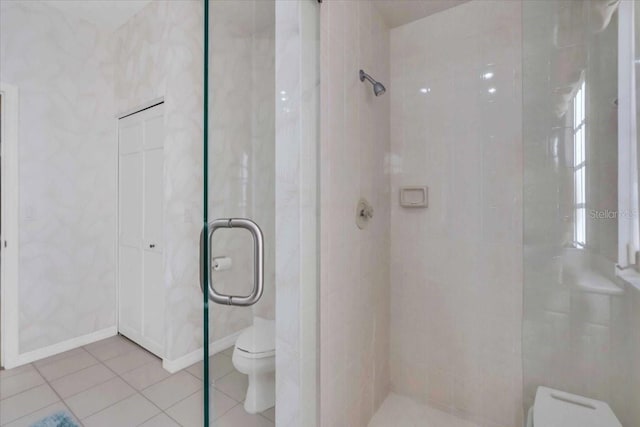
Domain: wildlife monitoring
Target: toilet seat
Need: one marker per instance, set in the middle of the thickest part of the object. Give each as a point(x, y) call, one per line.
point(258, 341)
point(555, 408)
point(260, 355)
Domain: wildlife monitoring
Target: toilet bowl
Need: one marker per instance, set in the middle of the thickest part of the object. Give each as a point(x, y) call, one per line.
point(255, 356)
point(555, 408)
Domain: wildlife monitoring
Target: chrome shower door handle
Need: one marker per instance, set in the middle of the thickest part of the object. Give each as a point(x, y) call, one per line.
point(206, 237)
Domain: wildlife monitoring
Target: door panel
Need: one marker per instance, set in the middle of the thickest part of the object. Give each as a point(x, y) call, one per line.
point(153, 192)
point(130, 295)
point(154, 131)
point(130, 196)
point(153, 301)
point(130, 138)
point(141, 279)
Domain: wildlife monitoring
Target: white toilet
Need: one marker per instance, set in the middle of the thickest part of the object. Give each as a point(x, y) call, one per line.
point(255, 355)
point(555, 408)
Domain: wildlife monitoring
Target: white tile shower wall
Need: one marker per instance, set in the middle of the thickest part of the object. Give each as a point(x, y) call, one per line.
point(456, 267)
point(263, 146)
point(241, 158)
point(354, 305)
point(617, 371)
point(67, 162)
point(159, 54)
point(297, 84)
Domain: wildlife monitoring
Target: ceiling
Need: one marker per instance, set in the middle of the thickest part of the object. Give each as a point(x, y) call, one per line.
point(400, 12)
point(107, 15)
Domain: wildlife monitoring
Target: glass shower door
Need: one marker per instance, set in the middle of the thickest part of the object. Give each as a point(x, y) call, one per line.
point(577, 334)
point(237, 240)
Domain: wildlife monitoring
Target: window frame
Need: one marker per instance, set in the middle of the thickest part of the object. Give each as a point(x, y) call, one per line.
point(579, 127)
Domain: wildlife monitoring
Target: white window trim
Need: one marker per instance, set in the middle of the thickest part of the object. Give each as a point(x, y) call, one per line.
point(580, 127)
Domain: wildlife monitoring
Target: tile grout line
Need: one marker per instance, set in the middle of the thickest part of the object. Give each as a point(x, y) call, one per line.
point(30, 388)
point(59, 397)
point(241, 402)
point(120, 376)
point(135, 391)
point(237, 403)
point(226, 394)
point(24, 391)
point(48, 382)
point(86, 389)
point(201, 380)
point(100, 362)
point(221, 415)
point(58, 357)
point(182, 400)
point(154, 415)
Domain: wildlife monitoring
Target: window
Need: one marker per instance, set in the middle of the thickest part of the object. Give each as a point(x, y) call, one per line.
point(579, 169)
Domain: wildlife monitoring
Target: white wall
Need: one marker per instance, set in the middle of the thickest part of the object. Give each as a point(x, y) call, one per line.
point(242, 149)
point(354, 323)
point(456, 267)
point(158, 53)
point(74, 80)
point(67, 165)
point(297, 210)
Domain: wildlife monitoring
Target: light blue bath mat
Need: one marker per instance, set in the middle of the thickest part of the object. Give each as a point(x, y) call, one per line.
point(59, 419)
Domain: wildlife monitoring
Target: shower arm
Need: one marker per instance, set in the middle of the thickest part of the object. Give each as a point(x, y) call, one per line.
point(364, 75)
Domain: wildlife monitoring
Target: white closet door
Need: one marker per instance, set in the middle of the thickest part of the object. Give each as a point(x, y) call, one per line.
point(141, 290)
point(153, 292)
point(130, 236)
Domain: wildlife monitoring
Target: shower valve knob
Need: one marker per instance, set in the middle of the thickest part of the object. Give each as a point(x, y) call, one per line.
point(364, 212)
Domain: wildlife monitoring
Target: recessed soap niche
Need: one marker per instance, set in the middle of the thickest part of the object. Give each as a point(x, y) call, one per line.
point(414, 197)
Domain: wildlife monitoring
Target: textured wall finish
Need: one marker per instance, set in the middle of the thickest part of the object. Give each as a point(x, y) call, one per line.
point(67, 154)
point(355, 263)
point(159, 54)
point(456, 267)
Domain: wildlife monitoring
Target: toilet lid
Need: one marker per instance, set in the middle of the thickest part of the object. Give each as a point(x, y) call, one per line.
point(258, 339)
point(554, 408)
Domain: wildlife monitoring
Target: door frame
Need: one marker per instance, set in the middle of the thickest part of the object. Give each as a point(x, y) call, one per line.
point(130, 112)
point(10, 210)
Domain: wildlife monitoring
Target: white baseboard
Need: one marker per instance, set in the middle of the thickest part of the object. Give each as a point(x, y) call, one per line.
point(61, 347)
point(189, 359)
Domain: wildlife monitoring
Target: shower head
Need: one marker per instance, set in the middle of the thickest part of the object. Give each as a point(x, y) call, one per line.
point(378, 88)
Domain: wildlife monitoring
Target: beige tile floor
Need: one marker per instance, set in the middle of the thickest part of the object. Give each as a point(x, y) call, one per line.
point(114, 382)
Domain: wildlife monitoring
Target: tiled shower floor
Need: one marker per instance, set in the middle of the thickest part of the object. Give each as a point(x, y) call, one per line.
point(114, 382)
point(399, 411)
